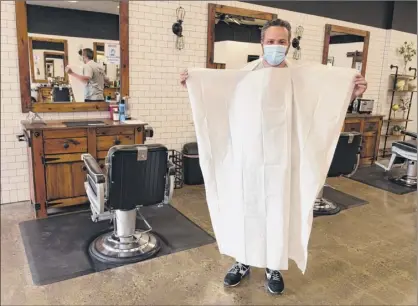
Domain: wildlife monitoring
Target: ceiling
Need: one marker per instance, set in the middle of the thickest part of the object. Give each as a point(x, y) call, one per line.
point(110, 7)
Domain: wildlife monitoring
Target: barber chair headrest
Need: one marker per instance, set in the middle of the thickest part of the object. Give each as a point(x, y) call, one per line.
point(136, 176)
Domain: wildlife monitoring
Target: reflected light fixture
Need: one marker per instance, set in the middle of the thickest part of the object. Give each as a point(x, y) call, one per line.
point(73, 1)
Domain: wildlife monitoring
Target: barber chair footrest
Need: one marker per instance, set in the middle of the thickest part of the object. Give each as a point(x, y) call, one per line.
point(324, 207)
point(110, 249)
point(405, 180)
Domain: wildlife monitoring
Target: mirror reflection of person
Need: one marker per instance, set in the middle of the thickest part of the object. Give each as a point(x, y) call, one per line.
point(275, 42)
point(93, 76)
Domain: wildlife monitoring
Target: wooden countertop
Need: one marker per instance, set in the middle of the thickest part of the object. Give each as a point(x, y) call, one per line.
point(59, 124)
point(351, 115)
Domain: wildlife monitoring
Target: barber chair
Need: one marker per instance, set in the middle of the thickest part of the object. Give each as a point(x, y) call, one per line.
point(344, 163)
point(61, 94)
point(404, 152)
point(134, 176)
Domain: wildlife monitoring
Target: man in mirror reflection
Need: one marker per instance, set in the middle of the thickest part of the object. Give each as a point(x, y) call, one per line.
point(94, 77)
point(275, 43)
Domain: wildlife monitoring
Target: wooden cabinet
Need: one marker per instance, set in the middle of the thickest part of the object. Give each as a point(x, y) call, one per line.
point(370, 127)
point(44, 94)
point(110, 91)
point(56, 171)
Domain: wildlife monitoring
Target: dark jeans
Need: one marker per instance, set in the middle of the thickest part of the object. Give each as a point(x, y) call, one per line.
point(88, 100)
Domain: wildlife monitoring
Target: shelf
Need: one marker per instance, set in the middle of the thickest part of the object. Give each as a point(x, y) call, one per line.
point(393, 90)
point(397, 120)
point(390, 135)
point(403, 76)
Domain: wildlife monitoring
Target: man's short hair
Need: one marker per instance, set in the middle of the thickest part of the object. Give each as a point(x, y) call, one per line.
point(276, 23)
point(87, 52)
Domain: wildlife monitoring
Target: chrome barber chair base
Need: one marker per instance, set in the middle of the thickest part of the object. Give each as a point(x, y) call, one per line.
point(323, 207)
point(405, 180)
point(109, 248)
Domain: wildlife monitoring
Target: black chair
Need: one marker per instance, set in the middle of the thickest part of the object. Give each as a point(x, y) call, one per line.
point(344, 163)
point(61, 94)
point(134, 176)
point(404, 152)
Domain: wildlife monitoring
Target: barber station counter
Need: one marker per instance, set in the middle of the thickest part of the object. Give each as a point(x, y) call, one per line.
point(56, 171)
point(370, 127)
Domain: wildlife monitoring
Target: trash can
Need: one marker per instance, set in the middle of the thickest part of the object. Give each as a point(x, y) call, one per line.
point(192, 174)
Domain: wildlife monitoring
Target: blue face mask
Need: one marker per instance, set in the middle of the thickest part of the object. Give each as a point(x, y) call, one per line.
point(274, 54)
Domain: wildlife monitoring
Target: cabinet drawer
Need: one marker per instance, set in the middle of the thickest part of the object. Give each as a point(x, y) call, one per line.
point(101, 154)
point(352, 127)
point(68, 133)
point(371, 126)
point(67, 145)
point(104, 143)
point(115, 131)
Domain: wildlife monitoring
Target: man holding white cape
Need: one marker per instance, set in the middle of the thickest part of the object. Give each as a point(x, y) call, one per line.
point(275, 41)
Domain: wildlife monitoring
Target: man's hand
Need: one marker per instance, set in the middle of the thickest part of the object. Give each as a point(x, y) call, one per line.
point(68, 70)
point(360, 86)
point(183, 78)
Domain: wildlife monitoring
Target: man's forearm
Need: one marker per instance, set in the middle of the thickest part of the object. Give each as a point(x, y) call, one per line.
point(80, 77)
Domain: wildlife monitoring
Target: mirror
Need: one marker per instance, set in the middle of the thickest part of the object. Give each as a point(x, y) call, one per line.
point(48, 58)
point(234, 36)
point(346, 47)
point(76, 61)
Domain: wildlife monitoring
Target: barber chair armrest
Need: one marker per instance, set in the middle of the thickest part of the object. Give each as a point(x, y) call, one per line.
point(93, 169)
point(95, 186)
point(410, 134)
point(356, 166)
point(170, 182)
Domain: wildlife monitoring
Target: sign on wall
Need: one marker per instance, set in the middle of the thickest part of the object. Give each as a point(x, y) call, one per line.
point(112, 52)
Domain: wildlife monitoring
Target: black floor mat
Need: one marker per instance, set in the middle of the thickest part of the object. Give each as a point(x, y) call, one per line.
point(343, 200)
point(56, 247)
point(377, 177)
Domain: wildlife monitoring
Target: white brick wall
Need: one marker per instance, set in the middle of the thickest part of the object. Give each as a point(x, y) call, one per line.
point(155, 64)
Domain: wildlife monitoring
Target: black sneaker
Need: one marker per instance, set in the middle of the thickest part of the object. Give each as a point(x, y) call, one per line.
point(237, 272)
point(275, 282)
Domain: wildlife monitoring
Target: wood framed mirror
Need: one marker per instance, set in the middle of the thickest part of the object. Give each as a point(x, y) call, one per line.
point(346, 47)
point(50, 35)
point(231, 29)
point(42, 49)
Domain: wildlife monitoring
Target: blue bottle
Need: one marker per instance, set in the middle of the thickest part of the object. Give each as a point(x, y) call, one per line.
point(122, 111)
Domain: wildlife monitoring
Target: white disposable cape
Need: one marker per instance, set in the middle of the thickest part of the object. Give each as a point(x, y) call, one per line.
point(266, 139)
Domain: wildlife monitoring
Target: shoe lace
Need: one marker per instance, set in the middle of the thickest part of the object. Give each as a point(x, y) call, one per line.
point(276, 276)
point(236, 268)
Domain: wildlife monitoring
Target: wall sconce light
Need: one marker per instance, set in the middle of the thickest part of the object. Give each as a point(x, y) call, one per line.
point(178, 28)
point(296, 43)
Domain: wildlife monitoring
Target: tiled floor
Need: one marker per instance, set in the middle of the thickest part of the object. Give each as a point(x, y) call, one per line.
point(363, 256)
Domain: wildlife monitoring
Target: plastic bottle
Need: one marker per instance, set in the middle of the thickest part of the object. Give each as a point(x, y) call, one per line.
point(122, 110)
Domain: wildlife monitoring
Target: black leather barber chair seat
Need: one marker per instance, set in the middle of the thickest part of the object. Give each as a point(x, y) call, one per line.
point(345, 162)
point(135, 176)
point(404, 152)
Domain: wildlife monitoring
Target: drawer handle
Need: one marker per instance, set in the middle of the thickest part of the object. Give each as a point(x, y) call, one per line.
point(117, 142)
point(75, 142)
point(66, 145)
point(84, 168)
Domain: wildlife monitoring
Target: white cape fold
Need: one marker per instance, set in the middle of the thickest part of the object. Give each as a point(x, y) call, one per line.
point(266, 139)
